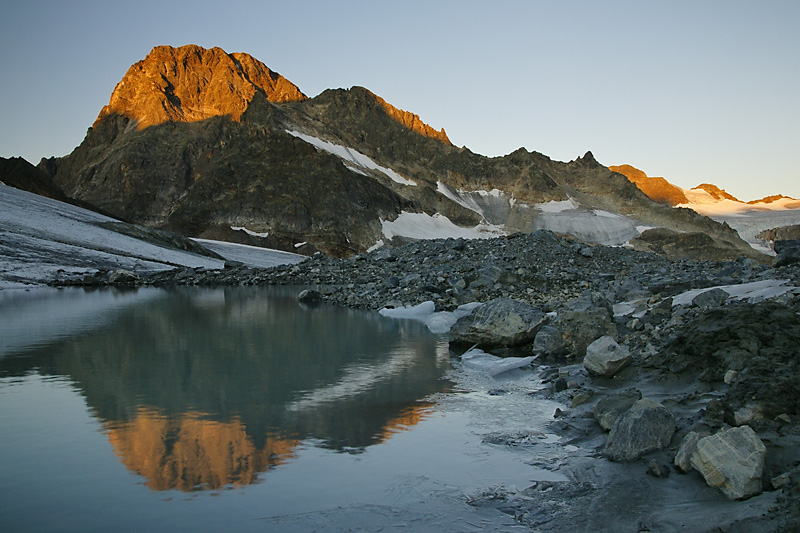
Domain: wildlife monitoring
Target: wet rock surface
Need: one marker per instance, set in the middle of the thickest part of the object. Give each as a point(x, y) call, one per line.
point(712, 363)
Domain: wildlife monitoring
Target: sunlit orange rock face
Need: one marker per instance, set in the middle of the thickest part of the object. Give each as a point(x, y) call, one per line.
point(412, 121)
point(658, 189)
point(190, 83)
point(190, 452)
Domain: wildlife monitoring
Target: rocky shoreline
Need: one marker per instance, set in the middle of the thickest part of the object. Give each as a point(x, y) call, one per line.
point(654, 379)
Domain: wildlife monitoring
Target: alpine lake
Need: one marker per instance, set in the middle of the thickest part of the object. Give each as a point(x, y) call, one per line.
point(241, 409)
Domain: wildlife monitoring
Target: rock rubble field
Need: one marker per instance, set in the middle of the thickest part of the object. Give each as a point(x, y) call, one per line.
point(679, 380)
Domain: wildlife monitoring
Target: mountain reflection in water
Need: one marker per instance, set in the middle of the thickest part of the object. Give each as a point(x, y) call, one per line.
point(204, 388)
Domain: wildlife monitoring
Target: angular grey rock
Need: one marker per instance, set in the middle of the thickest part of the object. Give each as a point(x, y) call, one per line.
point(309, 296)
point(548, 341)
point(122, 276)
point(733, 461)
point(580, 328)
point(656, 469)
point(661, 312)
point(500, 322)
point(590, 300)
point(604, 357)
point(646, 427)
point(230, 263)
point(710, 299)
point(607, 410)
point(788, 253)
point(686, 449)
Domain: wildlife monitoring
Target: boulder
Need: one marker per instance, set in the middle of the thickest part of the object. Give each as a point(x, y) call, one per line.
point(733, 461)
point(709, 299)
point(548, 341)
point(122, 276)
point(686, 449)
point(309, 296)
point(604, 357)
point(661, 312)
point(607, 410)
point(500, 322)
point(788, 253)
point(580, 328)
point(646, 427)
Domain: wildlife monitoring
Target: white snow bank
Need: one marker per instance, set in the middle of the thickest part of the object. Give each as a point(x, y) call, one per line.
point(599, 227)
point(492, 205)
point(751, 292)
point(476, 359)
point(252, 256)
point(41, 237)
point(351, 156)
point(423, 226)
point(557, 207)
point(250, 232)
point(437, 322)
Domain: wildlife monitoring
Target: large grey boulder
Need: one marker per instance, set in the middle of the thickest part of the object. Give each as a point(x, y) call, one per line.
point(733, 461)
point(686, 449)
point(709, 299)
point(585, 320)
point(548, 341)
point(500, 322)
point(646, 427)
point(607, 410)
point(788, 253)
point(604, 357)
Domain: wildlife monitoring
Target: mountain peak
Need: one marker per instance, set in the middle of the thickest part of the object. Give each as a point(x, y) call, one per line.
point(191, 83)
point(657, 188)
point(716, 192)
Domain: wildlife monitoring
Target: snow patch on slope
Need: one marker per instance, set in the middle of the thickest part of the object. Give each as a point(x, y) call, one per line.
point(251, 256)
point(420, 226)
point(351, 156)
point(590, 225)
point(249, 231)
point(492, 205)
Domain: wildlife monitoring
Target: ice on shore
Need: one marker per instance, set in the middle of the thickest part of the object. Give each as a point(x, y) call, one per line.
point(438, 322)
point(477, 359)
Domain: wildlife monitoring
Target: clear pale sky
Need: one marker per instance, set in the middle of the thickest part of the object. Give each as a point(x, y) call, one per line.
point(694, 91)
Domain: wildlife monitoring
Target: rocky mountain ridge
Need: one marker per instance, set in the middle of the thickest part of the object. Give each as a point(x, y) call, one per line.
point(216, 145)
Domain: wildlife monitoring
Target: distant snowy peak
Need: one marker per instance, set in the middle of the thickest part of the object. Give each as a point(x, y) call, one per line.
point(707, 199)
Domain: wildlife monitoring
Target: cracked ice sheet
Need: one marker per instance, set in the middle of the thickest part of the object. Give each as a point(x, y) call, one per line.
point(352, 156)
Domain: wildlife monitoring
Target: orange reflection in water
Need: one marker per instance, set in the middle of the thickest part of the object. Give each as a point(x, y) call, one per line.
point(409, 417)
point(191, 452)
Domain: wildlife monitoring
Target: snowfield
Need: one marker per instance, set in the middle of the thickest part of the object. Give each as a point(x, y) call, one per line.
point(354, 160)
point(419, 226)
point(41, 238)
point(747, 219)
